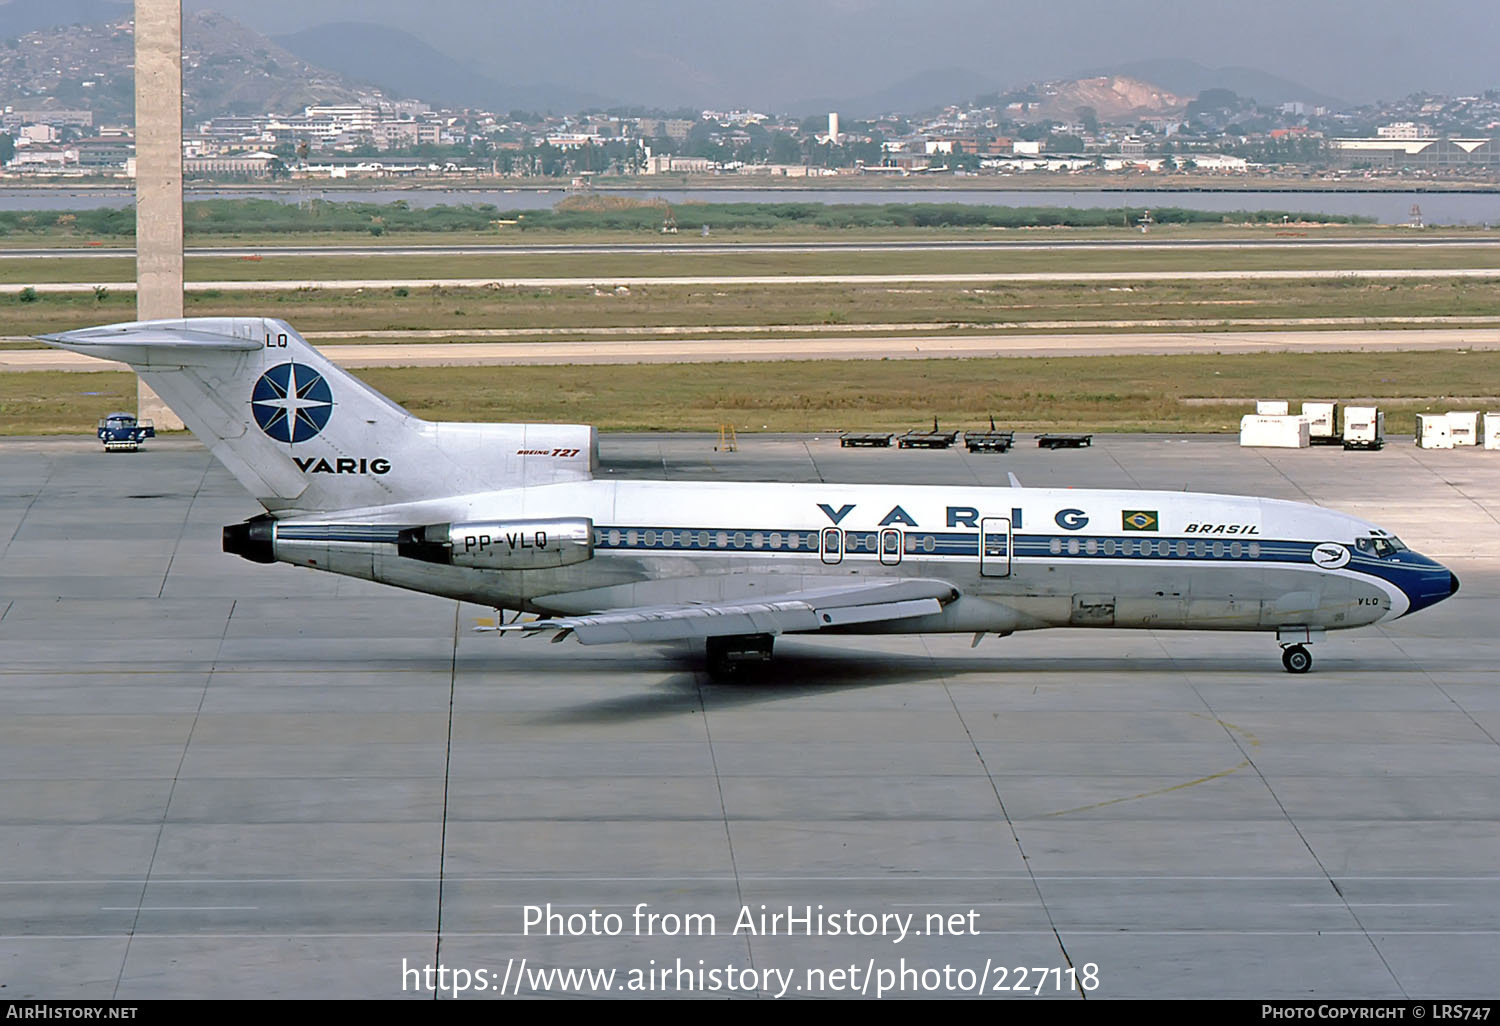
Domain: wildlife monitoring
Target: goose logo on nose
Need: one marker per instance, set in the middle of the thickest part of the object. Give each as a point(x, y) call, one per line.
point(1330, 556)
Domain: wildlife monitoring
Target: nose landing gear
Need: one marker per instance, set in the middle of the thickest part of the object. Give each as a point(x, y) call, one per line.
point(1296, 659)
point(1294, 641)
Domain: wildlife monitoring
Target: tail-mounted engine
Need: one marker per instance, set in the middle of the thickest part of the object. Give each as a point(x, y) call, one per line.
point(501, 544)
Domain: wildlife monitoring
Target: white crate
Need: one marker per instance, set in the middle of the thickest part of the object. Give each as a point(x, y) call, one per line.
point(1271, 408)
point(1491, 427)
point(1364, 427)
point(1322, 419)
point(1463, 427)
point(1433, 431)
point(1274, 432)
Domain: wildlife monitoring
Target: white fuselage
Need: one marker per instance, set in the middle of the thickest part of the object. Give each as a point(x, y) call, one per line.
point(1051, 557)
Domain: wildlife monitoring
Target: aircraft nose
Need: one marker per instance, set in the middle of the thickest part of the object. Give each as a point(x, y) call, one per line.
point(1425, 581)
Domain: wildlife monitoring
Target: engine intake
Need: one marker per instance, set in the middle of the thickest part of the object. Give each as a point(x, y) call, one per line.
point(501, 544)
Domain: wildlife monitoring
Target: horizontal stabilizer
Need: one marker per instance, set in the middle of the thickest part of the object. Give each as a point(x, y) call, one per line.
point(150, 344)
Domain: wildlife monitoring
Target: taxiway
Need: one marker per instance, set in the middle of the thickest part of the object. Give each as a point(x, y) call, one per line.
point(219, 779)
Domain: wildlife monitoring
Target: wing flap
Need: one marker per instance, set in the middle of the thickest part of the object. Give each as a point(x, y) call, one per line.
point(684, 622)
point(879, 611)
point(781, 614)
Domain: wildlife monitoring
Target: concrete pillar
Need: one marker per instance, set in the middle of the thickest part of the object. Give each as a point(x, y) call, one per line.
point(158, 176)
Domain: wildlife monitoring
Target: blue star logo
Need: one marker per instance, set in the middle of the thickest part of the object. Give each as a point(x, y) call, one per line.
point(291, 403)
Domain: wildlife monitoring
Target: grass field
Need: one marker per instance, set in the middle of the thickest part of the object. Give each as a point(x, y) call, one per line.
point(842, 308)
point(1136, 393)
point(687, 263)
point(253, 240)
point(620, 213)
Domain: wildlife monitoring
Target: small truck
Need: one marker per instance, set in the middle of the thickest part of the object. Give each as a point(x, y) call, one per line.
point(121, 432)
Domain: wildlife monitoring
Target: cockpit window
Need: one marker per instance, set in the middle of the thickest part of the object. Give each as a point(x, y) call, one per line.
point(1379, 547)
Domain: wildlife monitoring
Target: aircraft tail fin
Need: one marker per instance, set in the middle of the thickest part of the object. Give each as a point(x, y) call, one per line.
point(304, 435)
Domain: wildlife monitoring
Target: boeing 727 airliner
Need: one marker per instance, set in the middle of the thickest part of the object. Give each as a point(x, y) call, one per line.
point(511, 516)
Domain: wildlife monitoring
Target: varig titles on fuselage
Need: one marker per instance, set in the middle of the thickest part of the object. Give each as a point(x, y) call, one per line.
point(1069, 518)
point(954, 516)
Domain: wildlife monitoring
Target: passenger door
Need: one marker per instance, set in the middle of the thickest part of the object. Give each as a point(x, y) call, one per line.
point(994, 547)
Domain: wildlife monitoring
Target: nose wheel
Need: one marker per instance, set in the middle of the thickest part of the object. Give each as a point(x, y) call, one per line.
point(1296, 659)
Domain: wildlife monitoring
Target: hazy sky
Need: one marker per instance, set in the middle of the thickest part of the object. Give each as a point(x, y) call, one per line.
point(766, 52)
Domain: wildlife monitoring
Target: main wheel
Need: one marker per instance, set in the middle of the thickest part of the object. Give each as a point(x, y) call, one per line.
point(720, 666)
point(1296, 659)
point(735, 657)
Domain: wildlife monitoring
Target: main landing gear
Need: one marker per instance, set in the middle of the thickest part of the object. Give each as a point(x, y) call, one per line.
point(1296, 659)
point(736, 656)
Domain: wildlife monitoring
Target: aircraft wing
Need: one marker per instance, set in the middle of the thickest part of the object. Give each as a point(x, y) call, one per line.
point(808, 610)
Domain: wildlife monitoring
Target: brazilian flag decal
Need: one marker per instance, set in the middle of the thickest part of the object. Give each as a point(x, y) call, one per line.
point(1138, 520)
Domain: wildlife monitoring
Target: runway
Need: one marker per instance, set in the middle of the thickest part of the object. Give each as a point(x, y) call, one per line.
point(628, 349)
point(220, 779)
point(1026, 277)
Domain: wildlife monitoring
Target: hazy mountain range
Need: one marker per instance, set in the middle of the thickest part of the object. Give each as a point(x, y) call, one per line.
point(403, 65)
point(237, 70)
point(227, 69)
point(20, 17)
point(1189, 78)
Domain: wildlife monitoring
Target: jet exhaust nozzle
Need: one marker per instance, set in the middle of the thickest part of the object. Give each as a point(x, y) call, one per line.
point(253, 540)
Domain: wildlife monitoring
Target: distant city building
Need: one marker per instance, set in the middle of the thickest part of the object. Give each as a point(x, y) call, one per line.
point(104, 153)
point(44, 159)
point(245, 165)
point(1220, 162)
point(1163, 126)
point(734, 117)
point(346, 117)
point(38, 133)
point(1416, 154)
point(571, 140)
point(14, 118)
point(661, 164)
point(394, 135)
point(671, 128)
point(234, 127)
point(1405, 130)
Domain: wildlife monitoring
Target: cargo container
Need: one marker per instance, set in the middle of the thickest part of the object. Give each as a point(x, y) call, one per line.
point(1491, 429)
point(1273, 432)
point(1433, 431)
point(1364, 428)
point(1271, 408)
point(1322, 422)
point(1463, 428)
